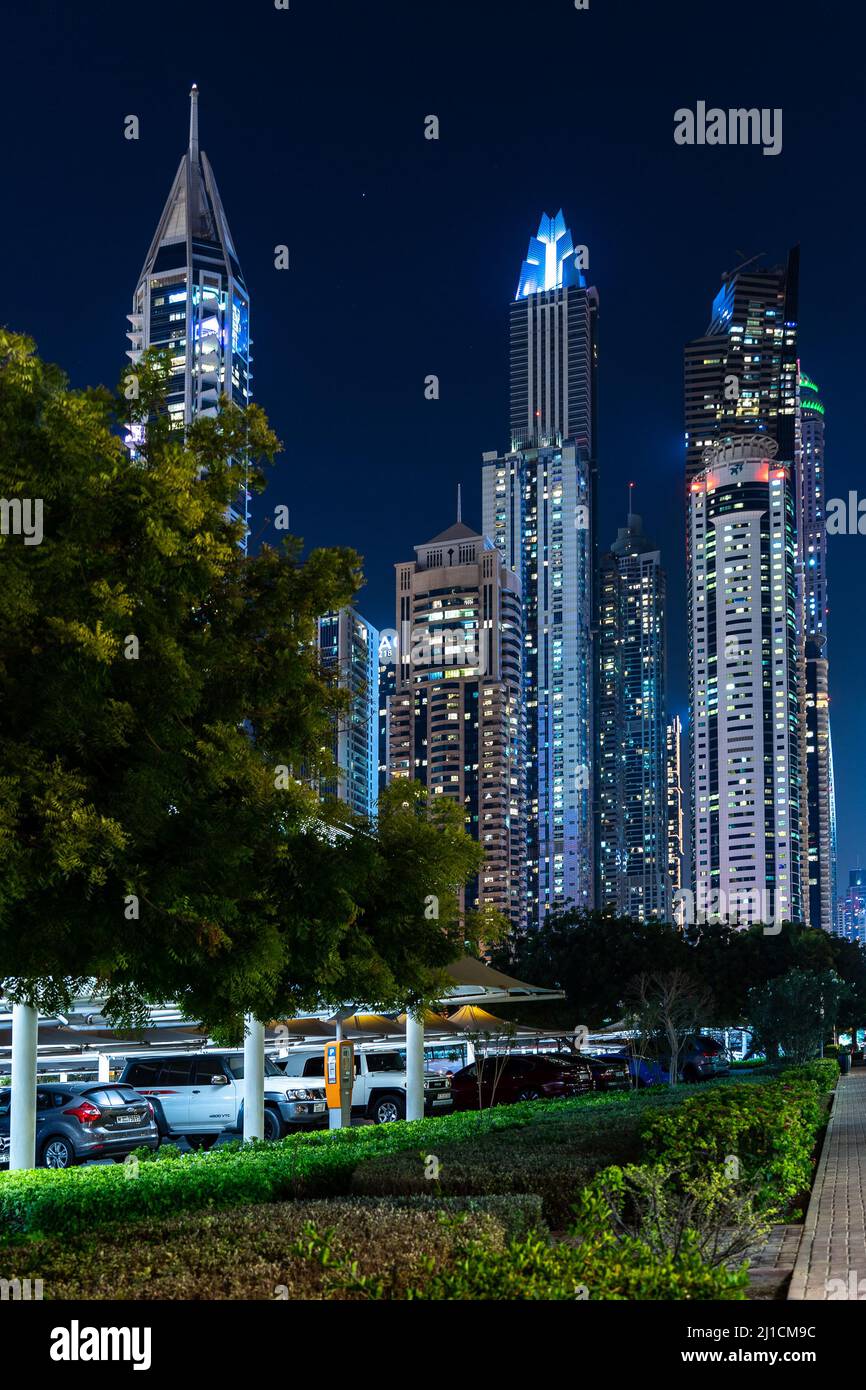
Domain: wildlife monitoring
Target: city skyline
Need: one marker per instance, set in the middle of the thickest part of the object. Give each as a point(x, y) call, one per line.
point(295, 381)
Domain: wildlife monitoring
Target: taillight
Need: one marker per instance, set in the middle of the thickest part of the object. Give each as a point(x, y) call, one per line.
point(152, 1111)
point(86, 1112)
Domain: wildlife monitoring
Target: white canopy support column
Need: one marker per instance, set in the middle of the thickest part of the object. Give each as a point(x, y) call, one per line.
point(414, 1066)
point(254, 1079)
point(25, 1028)
point(103, 1067)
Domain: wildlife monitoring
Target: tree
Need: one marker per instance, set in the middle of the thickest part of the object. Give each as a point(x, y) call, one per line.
point(666, 1007)
point(163, 717)
point(795, 1013)
point(592, 957)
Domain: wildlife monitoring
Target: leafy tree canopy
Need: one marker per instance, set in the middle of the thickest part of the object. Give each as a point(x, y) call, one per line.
point(163, 718)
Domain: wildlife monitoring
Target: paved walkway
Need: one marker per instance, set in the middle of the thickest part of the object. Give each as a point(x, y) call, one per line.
point(831, 1261)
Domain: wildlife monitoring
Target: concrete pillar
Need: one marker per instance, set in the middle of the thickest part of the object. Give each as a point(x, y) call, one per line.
point(254, 1079)
point(22, 1133)
point(414, 1066)
point(103, 1067)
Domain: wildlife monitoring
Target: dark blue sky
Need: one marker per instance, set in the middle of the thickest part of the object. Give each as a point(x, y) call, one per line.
point(405, 252)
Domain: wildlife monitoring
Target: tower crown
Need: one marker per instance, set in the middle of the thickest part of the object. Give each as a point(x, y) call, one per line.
point(550, 261)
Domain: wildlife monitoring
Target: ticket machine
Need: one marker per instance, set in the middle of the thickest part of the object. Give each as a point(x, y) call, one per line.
point(339, 1082)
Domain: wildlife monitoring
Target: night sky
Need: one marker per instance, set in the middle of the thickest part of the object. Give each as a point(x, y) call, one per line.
point(405, 252)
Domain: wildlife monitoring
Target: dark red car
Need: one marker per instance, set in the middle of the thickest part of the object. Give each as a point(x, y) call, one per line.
point(504, 1080)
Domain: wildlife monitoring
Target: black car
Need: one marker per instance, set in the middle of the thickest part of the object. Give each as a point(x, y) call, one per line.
point(84, 1119)
point(608, 1073)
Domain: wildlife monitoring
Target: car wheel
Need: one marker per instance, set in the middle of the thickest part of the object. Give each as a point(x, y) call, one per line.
point(388, 1109)
point(57, 1153)
point(691, 1074)
point(273, 1124)
point(201, 1141)
point(529, 1094)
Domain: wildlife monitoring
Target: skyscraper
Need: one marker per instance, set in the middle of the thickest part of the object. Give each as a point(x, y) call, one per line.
point(813, 610)
point(456, 718)
point(851, 918)
point(741, 375)
point(746, 774)
point(676, 803)
point(632, 740)
point(538, 508)
point(349, 653)
point(191, 299)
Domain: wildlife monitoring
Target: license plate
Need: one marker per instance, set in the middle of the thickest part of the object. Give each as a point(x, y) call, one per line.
point(129, 1119)
point(441, 1100)
point(318, 1107)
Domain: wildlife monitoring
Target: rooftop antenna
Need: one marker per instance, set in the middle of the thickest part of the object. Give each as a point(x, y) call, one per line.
point(193, 124)
point(459, 503)
point(630, 511)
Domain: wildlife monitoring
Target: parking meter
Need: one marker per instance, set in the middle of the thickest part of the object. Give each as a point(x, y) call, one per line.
point(339, 1081)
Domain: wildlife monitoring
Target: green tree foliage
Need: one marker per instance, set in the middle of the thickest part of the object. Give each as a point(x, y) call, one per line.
point(162, 718)
point(594, 957)
point(794, 1012)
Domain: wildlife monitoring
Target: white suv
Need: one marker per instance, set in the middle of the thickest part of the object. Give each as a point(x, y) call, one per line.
point(199, 1097)
point(379, 1091)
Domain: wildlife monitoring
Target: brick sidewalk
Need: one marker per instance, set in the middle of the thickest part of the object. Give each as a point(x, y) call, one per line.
point(834, 1236)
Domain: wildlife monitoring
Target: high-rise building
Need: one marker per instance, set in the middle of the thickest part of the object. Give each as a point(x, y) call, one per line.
point(538, 509)
point(349, 654)
point(632, 741)
point(191, 300)
point(387, 688)
point(746, 775)
point(851, 915)
point(456, 718)
point(741, 376)
point(675, 805)
point(813, 611)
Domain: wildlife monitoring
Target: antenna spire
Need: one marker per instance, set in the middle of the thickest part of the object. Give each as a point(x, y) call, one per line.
point(193, 124)
point(459, 503)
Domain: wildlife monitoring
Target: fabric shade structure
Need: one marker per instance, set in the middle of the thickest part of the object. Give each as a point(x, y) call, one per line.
point(434, 1023)
point(475, 978)
point(471, 1019)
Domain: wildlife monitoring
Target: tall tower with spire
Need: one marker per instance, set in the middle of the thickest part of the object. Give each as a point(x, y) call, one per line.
point(191, 298)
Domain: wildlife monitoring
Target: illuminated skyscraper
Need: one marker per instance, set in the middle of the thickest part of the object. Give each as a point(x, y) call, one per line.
point(676, 805)
point(192, 301)
point(813, 609)
point(746, 772)
point(538, 509)
point(456, 719)
point(349, 654)
point(632, 728)
point(741, 376)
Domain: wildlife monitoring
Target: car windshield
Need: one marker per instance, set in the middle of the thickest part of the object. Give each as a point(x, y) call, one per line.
point(384, 1061)
point(235, 1064)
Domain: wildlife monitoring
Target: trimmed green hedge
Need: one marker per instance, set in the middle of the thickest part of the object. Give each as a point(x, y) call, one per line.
point(770, 1130)
point(318, 1164)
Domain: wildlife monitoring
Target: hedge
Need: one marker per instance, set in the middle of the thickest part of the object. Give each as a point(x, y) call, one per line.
point(770, 1130)
point(316, 1164)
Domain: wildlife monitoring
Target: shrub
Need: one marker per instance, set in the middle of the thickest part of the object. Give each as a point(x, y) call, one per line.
point(354, 1248)
point(769, 1131)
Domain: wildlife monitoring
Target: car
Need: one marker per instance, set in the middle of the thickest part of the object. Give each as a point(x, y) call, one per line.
point(80, 1120)
point(198, 1097)
point(608, 1073)
point(496, 1079)
point(379, 1090)
point(702, 1058)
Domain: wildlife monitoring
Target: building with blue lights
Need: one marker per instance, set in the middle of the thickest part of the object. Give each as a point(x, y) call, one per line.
point(741, 375)
point(813, 611)
point(191, 300)
point(538, 509)
point(632, 728)
point(456, 721)
point(349, 655)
